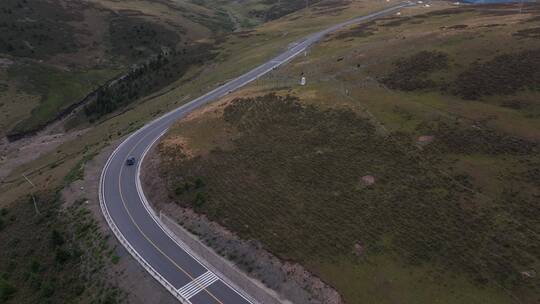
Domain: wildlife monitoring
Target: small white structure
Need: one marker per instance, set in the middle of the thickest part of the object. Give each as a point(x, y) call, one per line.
point(398, 13)
point(303, 81)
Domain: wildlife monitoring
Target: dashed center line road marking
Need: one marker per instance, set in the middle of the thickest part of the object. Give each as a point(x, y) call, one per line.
point(194, 287)
point(144, 234)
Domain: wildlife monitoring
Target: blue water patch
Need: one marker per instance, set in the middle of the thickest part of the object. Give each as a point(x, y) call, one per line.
point(494, 1)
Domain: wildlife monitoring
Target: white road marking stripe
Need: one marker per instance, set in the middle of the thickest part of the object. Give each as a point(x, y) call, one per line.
point(195, 283)
point(199, 284)
point(200, 287)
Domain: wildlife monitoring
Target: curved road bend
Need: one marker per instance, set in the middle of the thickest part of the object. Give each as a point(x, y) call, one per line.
point(135, 224)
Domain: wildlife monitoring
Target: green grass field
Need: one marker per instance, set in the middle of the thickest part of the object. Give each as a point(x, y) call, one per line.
point(58, 90)
point(451, 217)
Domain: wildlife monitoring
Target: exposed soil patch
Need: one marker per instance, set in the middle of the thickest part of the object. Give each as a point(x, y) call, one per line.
point(368, 180)
point(13, 154)
point(176, 143)
point(425, 139)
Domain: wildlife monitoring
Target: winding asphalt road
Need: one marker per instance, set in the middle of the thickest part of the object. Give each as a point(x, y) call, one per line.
point(136, 225)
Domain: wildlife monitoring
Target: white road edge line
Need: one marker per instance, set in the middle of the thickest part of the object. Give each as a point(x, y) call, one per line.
point(172, 236)
point(118, 234)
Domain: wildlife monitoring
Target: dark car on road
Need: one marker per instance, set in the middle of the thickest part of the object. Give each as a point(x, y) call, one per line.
point(130, 161)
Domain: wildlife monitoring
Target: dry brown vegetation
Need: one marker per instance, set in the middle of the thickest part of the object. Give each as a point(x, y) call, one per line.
point(294, 173)
point(411, 73)
point(400, 192)
point(502, 75)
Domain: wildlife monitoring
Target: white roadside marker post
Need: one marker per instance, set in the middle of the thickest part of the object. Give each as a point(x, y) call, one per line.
point(33, 197)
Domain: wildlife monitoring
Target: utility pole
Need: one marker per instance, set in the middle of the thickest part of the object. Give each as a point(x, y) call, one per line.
point(33, 196)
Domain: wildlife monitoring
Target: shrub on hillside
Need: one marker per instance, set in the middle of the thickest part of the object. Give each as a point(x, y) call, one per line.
point(411, 73)
point(502, 75)
point(145, 79)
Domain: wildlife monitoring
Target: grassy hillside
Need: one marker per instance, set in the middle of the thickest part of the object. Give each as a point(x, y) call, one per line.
point(406, 170)
point(50, 169)
point(247, 13)
point(236, 53)
point(101, 39)
point(57, 256)
point(55, 52)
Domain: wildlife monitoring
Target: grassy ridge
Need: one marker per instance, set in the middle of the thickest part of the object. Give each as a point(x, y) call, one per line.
point(82, 46)
point(58, 90)
point(451, 214)
point(295, 173)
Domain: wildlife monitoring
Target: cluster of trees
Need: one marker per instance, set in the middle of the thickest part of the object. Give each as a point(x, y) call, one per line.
point(146, 78)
